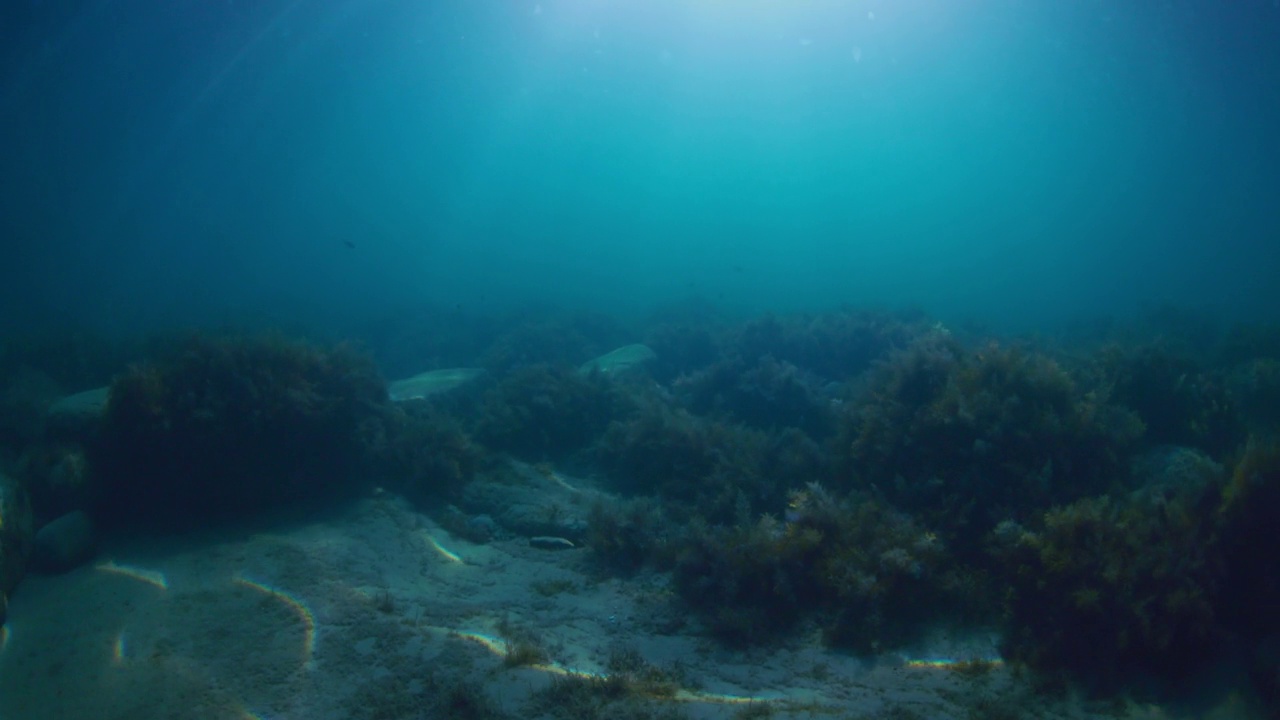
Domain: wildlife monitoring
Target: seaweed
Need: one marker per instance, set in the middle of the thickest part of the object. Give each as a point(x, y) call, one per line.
point(752, 582)
point(1255, 390)
point(888, 578)
point(764, 394)
point(558, 341)
point(547, 413)
point(715, 468)
point(614, 696)
point(835, 345)
point(623, 536)
point(233, 423)
point(1179, 400)
point(966, 439)
point(1112, 590)
point(870, 575)
point(1249, 544)
point(1249, 341)
point(421, 452)
point(681, 348)
point(58, 477)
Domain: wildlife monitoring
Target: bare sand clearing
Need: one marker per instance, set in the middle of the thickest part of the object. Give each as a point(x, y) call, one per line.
point(377, 613)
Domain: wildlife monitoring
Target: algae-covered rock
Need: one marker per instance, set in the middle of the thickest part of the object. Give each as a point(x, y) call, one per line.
point(77, 416)
point(16, 533)
point(535, 501)
point(432, 382)
point(625, 358)
point(229, 425)
point(57, 476)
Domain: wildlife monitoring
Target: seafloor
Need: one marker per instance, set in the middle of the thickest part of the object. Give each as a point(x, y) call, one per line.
point(375, 612)
point(853, 514)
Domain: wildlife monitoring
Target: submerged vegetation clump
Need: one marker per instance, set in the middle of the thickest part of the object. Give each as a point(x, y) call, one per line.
point(1248, 519)
point(749, 583)
point(625, 535)
point(1179, 401)
point(234, 424)
point(766, 394)
point(1256, 390)
point(566, 341)
point(682, 347)
point(833, 345)
point(870, 575)
point(718, 470)
point(966, 438)
point(547, 412)
point(1109, 590)
point(420, 451)
point(665, 450)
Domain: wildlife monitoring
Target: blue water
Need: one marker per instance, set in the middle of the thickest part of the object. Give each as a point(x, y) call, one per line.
point(1011, 162)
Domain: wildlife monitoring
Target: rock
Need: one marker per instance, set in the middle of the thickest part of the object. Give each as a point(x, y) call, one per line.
point(77, 416)
point(532, 503)
point(547, 542)
point(1169, 471)
point(64, 544)
point(624, 359)
point(432, 382)
point(482, 526)
point(57, 477)
point(17, 532)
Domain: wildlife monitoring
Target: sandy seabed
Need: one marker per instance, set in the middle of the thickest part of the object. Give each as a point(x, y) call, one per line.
point(370, 612)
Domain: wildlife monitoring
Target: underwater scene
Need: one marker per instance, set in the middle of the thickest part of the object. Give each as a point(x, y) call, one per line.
point(639, 359)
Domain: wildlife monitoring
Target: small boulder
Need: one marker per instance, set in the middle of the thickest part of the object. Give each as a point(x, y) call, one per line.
point(482, 527)
point(620, 361)
point(64, 544)
point(430, 383)
point(58, 478)
point(76, 417)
